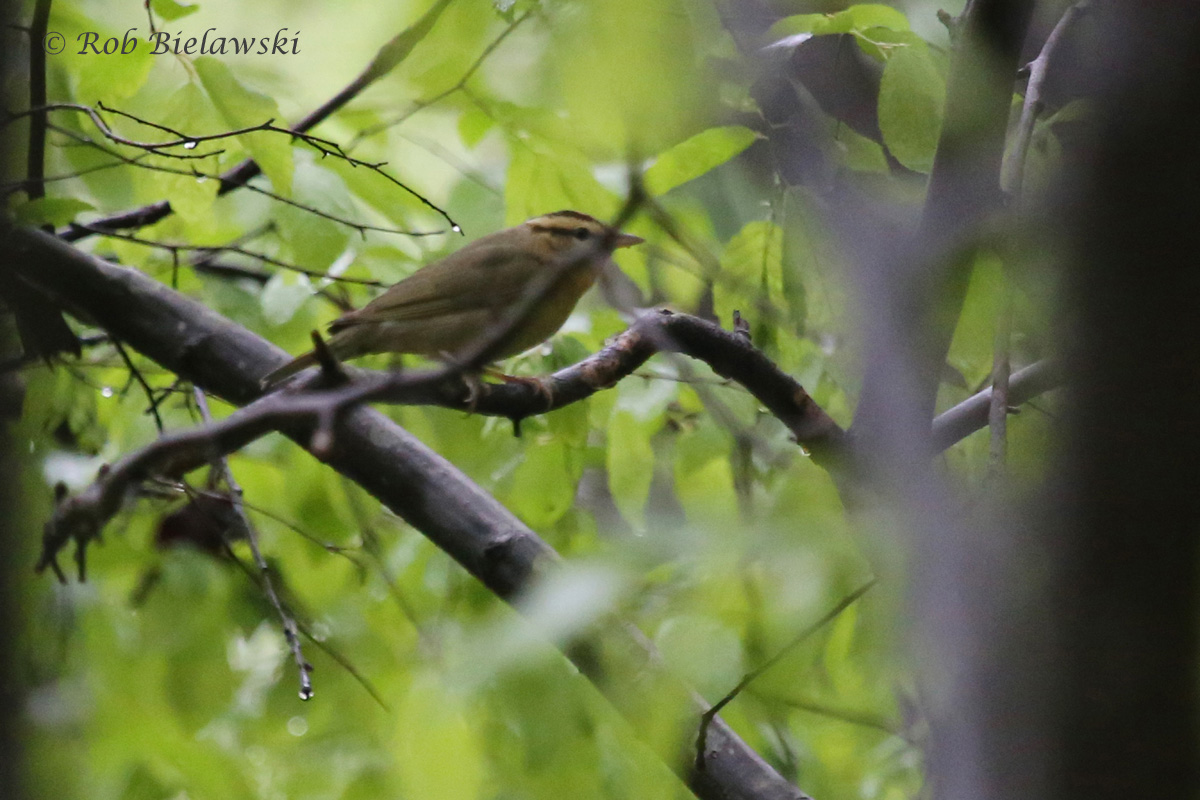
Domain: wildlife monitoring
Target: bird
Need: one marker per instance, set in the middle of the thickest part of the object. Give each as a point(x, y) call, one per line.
point(444, 308)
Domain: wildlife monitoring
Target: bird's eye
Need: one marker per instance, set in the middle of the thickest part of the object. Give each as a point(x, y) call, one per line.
point(582, 234)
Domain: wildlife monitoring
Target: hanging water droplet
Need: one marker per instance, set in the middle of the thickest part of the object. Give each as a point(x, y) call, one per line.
point(107, 391)
point(190, 145)
point(456, 228)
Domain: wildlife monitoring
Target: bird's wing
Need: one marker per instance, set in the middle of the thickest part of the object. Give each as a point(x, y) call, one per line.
point(481, 276)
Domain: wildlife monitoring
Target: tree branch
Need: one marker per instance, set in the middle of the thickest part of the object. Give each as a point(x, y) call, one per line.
point(1014, 165)
point(956, 424)
point(35, 168)
point(417, 484)
point(921, 293)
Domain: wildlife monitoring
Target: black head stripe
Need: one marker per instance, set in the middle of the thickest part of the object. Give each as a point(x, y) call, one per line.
point(571, 215)
point(553, 229)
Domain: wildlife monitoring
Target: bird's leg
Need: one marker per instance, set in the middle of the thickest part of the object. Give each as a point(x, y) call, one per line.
point(474, 389)
point(538, 384)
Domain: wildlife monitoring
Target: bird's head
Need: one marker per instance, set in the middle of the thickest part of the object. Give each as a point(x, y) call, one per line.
point(565, 234)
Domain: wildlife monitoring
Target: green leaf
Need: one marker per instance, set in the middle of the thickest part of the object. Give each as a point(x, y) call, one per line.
point(546, 179)
point(397, 49)
point(282, 295)
point(751, 273)
point(704, 478)
point(473, 125)
point(632, 72)
point(911, 99)
point(543, 487)
point(191, 197)
point(860, 153)
point(693, 157)
point(973, 343)
point(53, 210)
point(169, 10)
point(874, 15)
point(315, 241)
point(630, 461)
point(439, 752)
point(852, 20)
point(242, 107)
point(797, 23)
point(98, 76)
point(705, 652)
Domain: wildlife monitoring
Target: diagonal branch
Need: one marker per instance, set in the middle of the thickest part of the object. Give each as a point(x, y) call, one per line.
point(1014, 164)
point(921, 293)
point(956, 424)
point(417, 484)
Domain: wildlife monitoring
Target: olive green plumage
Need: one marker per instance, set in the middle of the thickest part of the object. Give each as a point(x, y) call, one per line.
point(443, 308)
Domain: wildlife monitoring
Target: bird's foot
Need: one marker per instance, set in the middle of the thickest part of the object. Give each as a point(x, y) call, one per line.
point(539, 385)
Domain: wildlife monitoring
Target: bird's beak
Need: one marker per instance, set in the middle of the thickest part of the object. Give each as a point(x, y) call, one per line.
point(627, 240)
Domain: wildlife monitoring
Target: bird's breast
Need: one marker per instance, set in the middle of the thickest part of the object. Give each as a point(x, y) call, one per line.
point(549, 313)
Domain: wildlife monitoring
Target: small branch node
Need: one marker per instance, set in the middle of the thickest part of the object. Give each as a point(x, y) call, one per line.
point(331, 368)
point(740, 326)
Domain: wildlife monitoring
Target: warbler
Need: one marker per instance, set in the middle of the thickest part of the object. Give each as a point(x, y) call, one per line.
point(445, 307)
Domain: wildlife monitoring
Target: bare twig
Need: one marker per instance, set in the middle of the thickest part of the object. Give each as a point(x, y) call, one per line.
point(385, 60)
point(137, 375)
point(1014, 165)
point(753, 675)
point(174, 249)
point(727, 353)
point(221, 465)
point(442, 95)
point(159, 148)
point(140, 162)
point(998, 405)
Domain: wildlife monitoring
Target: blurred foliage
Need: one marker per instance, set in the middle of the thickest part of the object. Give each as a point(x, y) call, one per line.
point(679, 502)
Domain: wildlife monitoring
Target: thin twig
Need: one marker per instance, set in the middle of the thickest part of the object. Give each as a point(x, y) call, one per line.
point(8, 188)
point(328, 547)
point(138, 161)
point(290, 632)
point(442, 95)
point(389, 55)
point(751, 676)
point(863, 718)
point(233, 248)
point(1013, 172)
point(137, 375)
point(79, 517)
point(159, 148)
point(998, 405)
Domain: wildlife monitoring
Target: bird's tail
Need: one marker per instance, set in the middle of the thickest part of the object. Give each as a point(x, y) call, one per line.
point(277, 376)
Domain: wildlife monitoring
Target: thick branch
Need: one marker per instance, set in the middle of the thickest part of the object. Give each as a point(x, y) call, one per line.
point(36, 157)
point(178, 452)
point(416, 483)
point(922, 291)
